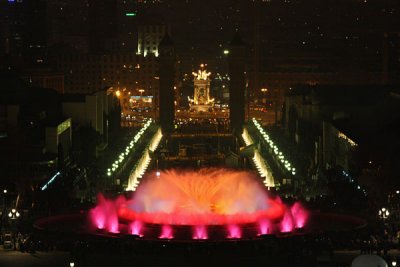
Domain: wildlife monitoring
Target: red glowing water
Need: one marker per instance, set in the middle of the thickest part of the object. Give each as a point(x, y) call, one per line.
point(166, 232)
point(234, 231)
point(135, 228)
point(200, 232)
point(299, 214)
point(104, 215)
point(287, 223)
point(198, 198)
point(264, 227)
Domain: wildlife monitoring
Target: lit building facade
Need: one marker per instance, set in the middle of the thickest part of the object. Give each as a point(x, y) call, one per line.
point(149, 38)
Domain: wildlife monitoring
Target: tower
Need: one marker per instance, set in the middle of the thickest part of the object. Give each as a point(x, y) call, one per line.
point(167, 77)
point(237, 84)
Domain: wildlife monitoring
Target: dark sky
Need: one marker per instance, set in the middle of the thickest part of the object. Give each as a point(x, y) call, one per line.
point(291, 25)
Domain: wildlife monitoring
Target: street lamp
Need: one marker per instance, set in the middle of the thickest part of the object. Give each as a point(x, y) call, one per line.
point(13, 214)
point(384, 213)
point(3, 212)
point(4, 200)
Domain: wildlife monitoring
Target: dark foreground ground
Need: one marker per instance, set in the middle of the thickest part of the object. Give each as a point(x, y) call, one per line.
point(11, 258)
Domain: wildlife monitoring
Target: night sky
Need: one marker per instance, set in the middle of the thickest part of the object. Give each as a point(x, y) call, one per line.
point(284, 26)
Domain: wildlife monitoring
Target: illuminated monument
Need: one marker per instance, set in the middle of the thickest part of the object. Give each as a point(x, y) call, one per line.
point(201, 101)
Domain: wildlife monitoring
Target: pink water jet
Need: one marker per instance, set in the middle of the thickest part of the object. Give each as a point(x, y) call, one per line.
point(299, 214)
point(166, 232)
point(200, 232)
point(287, 223)
point(104, 215)
point(234, 231)
point(135, 228)
point(264, 227)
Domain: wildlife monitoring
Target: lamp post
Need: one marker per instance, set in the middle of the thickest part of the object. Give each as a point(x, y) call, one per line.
point(264, 90)
point(383, 213)
point(3, 213)
point(4, 198)
point(13, 214)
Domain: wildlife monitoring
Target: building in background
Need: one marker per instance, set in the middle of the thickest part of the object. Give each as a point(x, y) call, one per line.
point(44, 78)
point(86, 73)
point(67, 23)
point(35, 136)
point(149, 38)
point(349, 128)
point(22, 38)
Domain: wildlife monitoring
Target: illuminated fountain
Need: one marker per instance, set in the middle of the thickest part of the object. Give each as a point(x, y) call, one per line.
point(203, 204)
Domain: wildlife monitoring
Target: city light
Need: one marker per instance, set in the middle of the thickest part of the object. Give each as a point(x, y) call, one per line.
point(384, 213)
point(13, 214)
point(130, 147)
point(278, 154)
point(130, 14)
point(345, 137)
point(50, 181)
